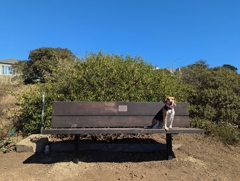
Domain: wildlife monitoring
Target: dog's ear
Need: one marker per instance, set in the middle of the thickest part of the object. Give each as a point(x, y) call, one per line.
point(175, 101)
point(165, 100)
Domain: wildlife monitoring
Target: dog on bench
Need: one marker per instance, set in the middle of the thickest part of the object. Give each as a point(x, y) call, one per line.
point(166, 113)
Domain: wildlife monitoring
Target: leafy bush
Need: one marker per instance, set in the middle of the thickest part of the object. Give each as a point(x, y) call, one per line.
point(216, 104)
point(29, 109)
point(223, 131)
point(213, 93)
point(101, 77)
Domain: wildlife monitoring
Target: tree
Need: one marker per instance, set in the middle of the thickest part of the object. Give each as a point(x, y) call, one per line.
point(190, 74)
point(18, 67)
point(44, 61)
point(230, 67)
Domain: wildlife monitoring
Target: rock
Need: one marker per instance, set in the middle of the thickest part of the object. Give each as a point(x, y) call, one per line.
point(33, 143)
point(231, 148)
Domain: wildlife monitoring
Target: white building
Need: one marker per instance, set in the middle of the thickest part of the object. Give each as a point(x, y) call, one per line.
point(6, 66)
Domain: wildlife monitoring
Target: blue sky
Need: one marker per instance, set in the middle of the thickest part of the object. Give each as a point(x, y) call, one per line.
point(161, 31)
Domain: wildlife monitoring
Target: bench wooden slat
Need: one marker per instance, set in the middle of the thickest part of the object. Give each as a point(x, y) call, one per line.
point(120, 131)
point(112, 114)
point(113, 108)
point(111, 121)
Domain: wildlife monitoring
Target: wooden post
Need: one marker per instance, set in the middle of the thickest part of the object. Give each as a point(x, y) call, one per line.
point(76, 141)
point(169, 146)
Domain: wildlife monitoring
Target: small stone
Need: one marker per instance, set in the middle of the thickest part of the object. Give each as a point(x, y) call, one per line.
point(231, 148)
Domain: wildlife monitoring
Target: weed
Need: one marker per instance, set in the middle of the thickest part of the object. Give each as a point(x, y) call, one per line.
point(7, 145)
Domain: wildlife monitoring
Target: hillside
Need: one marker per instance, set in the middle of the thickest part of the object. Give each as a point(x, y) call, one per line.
point(199, 158)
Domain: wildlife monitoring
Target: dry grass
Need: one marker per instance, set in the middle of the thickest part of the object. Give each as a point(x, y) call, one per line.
point(8, 80)
point(7, 102)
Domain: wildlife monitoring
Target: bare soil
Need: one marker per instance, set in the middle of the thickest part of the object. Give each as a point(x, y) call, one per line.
point(199, 158)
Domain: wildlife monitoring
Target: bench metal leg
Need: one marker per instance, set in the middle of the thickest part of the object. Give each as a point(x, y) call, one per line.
point(169, 146)
point(76, 141)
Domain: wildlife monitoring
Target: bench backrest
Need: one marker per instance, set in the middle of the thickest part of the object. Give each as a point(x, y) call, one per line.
point(112, 114)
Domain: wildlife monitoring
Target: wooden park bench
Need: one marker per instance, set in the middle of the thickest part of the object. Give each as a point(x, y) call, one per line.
point(76, 118)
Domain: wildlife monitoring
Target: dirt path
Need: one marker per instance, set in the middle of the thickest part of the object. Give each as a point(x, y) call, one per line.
point(199, 158)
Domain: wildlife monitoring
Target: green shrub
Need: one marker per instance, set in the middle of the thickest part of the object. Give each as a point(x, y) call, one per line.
point(223, 131)
point(216, 104)
point(213, 93)
point(29, 110)
point(101, 77)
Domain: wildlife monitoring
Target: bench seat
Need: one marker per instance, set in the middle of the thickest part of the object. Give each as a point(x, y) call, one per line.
point(73, 131)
